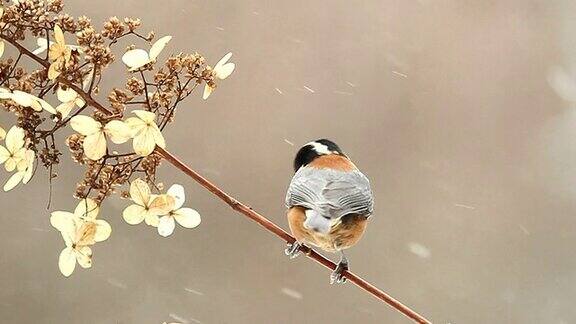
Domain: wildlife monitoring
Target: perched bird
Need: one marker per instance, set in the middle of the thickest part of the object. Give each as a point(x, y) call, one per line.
point(329, 202)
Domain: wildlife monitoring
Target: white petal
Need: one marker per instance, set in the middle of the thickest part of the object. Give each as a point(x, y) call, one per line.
point(65, 108)
point(15, 139)
point(42, 46)
point(27, 159)
point(41, 41)
point(29, 166)
point(68, 233)
point(29, 171)
point(22, 98)
point(207, 91)
point(144, 143)
point(95, 146)
point(27, 175)
point(59, 35)
point(62, 221)
point(1, 48)
point(46, 106)
point(177, 192)
point(67, 261)
point(136, 58)
point(13, 181)
point(54, 70)
point(87, 209)
point(39, 50)
point(36, 105)
point(79, 102)
point(187, 217)
point(134, 214)
point(158, 46)
point(117, 131)
point(136, 125)
point(161, 205)
point(21, 163)
point(4, 154)
point(11, 163)
point(146, 116)
point(28, 100)
point(84, 257)
point(5, 94)
point(66, 95)
point(158, 137)
point(166, 226)
point(224, 71)
point(140, 192)
point(223, 60)
point(103, 230)
point(152, 220)
point(85, 233)
point(85, 125)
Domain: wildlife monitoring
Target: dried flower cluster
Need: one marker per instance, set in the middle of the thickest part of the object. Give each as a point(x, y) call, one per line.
point(115, 142)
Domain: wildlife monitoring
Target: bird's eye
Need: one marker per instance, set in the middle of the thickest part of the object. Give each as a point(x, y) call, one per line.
point(326, 217)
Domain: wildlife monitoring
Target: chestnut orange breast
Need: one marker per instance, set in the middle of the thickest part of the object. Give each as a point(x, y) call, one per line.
point(343, 235)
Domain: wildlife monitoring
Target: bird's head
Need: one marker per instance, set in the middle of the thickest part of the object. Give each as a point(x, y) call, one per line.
point(313, 150)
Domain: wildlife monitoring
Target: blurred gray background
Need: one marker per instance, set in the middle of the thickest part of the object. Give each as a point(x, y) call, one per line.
point(446, 105)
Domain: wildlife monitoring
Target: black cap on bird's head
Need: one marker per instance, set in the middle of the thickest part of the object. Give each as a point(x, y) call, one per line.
point(312, 150)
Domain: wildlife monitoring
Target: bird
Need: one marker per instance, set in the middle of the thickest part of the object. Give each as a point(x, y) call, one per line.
point(329, 202)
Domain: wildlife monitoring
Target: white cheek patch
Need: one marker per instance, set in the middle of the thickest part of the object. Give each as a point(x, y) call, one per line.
point(320, 148)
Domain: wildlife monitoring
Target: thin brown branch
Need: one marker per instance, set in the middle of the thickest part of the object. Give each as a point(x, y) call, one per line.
point(238, 206)
point(87, 97)
point(275, 229)
point(12, 69)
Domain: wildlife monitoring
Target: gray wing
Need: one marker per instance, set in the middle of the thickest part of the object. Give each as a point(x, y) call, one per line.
point(330, 192)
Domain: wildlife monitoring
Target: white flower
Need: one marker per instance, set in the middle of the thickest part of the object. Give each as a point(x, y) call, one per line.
point(58, 53)
point(95, 141)
point(186, 217)
point(146, 207)
point(15, 156)
point(79, 230)
point(43, 46)
point(137, 58)
point(86, 211)
point(69, 100)
point(27, 100)
point(146, 133)
point(25, 170)
point(221, 71)
point(14, 152)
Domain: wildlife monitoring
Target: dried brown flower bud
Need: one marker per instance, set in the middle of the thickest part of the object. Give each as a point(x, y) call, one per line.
point(113, 28)
point(135, 86)
point(132, 23)
point(84, 23)
point(74, 143)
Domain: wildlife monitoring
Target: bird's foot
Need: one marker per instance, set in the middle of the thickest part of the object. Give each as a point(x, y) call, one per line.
point(293, 249)
point(337, 276)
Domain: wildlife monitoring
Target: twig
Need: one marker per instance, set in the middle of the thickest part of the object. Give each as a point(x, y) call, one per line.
point(271, 227)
